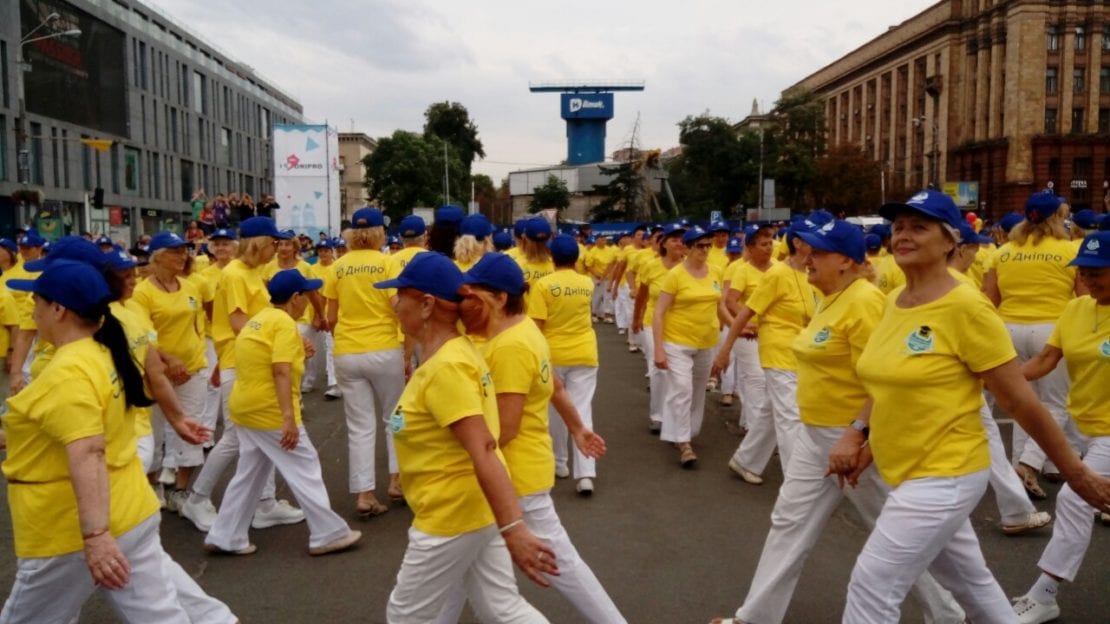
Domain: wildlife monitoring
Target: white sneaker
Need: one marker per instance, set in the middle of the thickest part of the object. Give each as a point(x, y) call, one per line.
point(633, 348)
point(744, 473)
point(562, 472)
point(585, 487)
point(175, 499)
point(1033, 520)
point(307, 389)
point(333, 393)
point(281, 513)
point(620, 331)
point(1030, 611)
point(201, 514)
point(168, 476)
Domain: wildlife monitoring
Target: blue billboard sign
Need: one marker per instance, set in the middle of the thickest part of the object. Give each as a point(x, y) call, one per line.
point(587, 105)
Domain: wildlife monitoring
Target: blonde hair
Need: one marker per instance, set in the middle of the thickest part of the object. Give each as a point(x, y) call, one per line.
point(1052, 227)
point(154, 259)
point(536, 251)
point(469, 249)
point(365, 238)
point(251, 249)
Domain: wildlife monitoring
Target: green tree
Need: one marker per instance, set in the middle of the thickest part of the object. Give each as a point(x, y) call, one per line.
point(553, 194)
point(798, 141)
point(485, 193)
point(709, 173)
point(623, 194)
point(846, 181)
point(406, 171)
point(450, 122)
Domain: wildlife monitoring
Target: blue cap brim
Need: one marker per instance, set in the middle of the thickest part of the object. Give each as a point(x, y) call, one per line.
point(822, 243)
point(36, 266)
point(890, 211)
point(1091, 263)
point(313, 284)
point(174, 246)
point(393, 283)
point(23, 285)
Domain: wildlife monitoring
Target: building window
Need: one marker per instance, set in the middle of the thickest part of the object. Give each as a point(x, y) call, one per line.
point(1053, 42)
point(225, 146)
point(1076, 121)
point(56, 170)
point(173, 128)
point(1080, 39)
point(86, 164)
point(200, 93)
point(1081, 180)
point(1079, 79)
point(1104, 120)
point(3, 147)
point(1104, 80)
point(4, 95)
point(1051, 80)
point(156, 173)
point(36, 153)
point(186, 180)
point(115, 167)
point(1050, 121)
point(65, 157)
point(1106, 38)
point(131, 169)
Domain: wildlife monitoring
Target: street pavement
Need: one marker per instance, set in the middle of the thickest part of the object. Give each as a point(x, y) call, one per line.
point(669, 545)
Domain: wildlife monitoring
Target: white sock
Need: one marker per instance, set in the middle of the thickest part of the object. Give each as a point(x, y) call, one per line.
point(1044, 590)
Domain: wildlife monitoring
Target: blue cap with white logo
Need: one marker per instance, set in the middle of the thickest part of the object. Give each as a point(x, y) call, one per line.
point(430, 272)
point(695, 234)
point(734, 246)
point(31, 239)
point(75, 285)
point(258, 226)
point(673, 229)
point(223, 233)
point(166, 240)
point(1087, 219)
point(104, 240)
point(73, 249)
point(497, 271)
point(718, 226)
point(838, 237)
point(932, 204)
point(284, 284)
point(1094, 251)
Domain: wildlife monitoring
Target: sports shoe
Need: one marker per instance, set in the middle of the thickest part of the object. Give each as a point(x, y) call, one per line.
point(620, 331)
point(281, 513)
point(201, 514)
point(585, 487)
point(342, 543)
point(307, 389)
point(1033, 520)
point(633, 348)
point(711, 385)
point(744, 473)
point(562, 472)
point(249, 549)
point(726, 400)
point(1030, 611)
point(333, 393)
point(175, 499)
point(654, 427)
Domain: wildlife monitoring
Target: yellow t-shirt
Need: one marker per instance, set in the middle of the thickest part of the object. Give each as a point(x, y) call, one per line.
point(178, 319)
point(513, 252)
point(1087, 355)
point(1035, 280)
point(598, 260)
point(41, 421)
point(367, 321)
point(19, 272)
point(580, 264)
point(9, 317)
point(269, 337)
point(785, 302)
point(920, 368)
point(978, 268)
point(888, 275)
point(519, 361)
point(562, 301)
point(402, 257)
point(140, 338)
point(207, 282)
point(745, 277)
point(691, 321)
point(636, 260)
point(652, 273)
point(240, 288)
point(201, 262)
point(718, 257)
point(829, 392)
point(437, 473)
point(533, 271)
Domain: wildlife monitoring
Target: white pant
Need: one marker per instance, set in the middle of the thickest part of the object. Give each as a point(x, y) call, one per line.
point(684, 402)
point(226, 450)
point(145, 448)
point(751, 381)
point(657, 378)
point(806, 501)
point(260, 452)
point(371, 384)
point(191, 395)
point(622, 306)
point(1052, 390)
point(51, 590)
point(924, 524)
point(782, 390)
point(580, 383)
point(758, 445)
point(321, 342)
point(602, 302)
point(212, 411)
point(435, 566)
point(1071, 535)
point(730, 379)
point(1009, 494)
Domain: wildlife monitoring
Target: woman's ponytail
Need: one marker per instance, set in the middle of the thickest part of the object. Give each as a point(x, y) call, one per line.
point(111, 335)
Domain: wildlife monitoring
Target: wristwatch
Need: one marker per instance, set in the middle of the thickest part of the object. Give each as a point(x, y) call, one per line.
point(861, 427)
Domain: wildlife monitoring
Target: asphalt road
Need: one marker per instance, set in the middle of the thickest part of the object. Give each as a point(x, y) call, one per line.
point(670, 545)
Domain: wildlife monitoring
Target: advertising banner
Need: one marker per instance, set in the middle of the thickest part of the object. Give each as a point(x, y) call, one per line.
point(306, 179)
point(586, 105)
point(965, 194)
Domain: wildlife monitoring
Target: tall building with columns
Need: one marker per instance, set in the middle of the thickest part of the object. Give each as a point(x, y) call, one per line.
point(1013, 95)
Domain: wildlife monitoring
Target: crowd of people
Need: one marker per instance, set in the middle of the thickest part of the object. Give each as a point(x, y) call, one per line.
point(871, 361)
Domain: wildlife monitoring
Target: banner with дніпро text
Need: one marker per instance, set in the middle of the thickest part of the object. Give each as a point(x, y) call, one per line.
point(306, 179)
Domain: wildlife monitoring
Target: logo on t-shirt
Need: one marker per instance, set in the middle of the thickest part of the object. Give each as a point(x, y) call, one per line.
point(716, 286)
point(545, 372)
point(1105, 348)
point(822, 336)
point(397, 420)
point(921, 340)
point(556, 290)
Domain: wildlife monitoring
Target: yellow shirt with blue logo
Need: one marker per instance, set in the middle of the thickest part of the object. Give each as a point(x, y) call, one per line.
point(562, 301)
point(691, 321)
point(178, 317)
point(784, 301)
point(269, 337)
point(1083, 334)
point(1035, 280)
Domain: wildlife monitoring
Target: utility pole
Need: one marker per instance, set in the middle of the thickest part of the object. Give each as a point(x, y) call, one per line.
point(446, 177)
point(759, 191)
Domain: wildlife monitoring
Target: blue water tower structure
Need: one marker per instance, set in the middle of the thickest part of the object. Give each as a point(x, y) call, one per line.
point(586, 107)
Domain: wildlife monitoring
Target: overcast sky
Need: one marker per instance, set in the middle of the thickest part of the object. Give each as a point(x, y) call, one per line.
point(373, 66)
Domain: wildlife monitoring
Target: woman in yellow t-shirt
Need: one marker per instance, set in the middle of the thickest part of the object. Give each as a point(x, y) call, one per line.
point(650, 272)
point(222, 246)
point(83, 514)
point(369, 361)
point(265, 405)
point(684, 333)
point(311, 324)
point(1082, 340)
point(924, 367)
point(1030, 281)
point(560, 307)
point(173, 306)
point(325, 341)
point(473, 241)
point(535, 258)
point(785, 302)
point(520, 369)
point(445, 428)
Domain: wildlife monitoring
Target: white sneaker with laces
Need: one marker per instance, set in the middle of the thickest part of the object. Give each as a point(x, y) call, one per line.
point(332, 393)
point(201, 514)
point(1030, 611)
point(585, 487)
point(562, 472)
point(281, 513)
point(175, 499)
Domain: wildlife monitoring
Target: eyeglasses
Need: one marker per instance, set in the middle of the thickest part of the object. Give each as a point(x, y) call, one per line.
point(703, 246)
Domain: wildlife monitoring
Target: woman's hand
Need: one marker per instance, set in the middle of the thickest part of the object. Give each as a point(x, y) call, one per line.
point(106, 563)
point(844, 456)
point(660, 358)
point(309, 350)
point(750, 331)
point(175, 369)
point(591, 444)
point(532, 556)
point(1093, 488)
point(191, 431)
point(290, 434)
point(720, 364)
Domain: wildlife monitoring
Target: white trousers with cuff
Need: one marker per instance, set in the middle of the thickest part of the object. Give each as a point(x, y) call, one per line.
point(1013, 503)
point(321, 342)
point(758, 445)
point(435, 567)
point(52, 590)
point(211, 414)
point(925, 524)
point(782, 392)
point(191, 395)
point(260, 452)
point(371, 383)
point(580, 383)
point(622, 306)
point(1071, 535)
point(684, 402)
point(657, 378)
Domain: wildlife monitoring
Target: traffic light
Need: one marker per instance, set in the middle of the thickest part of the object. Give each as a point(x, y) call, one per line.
point(98, 198)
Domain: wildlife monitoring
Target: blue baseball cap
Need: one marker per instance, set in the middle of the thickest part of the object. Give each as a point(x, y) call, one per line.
point(166, 240)
point(537, 229)
point(1087, 219)
point(258, 226)
point(968, 235)
point(432, 273)
point(673, 229)
point(1042, 205)
point(104, 240)
point(72, 249)
point(564, 249)
point(9, 244)
point(718, 226)
point(750, 231)
point(411, 225)
point(932, 204)
point(449, 214)
point(838, 237)
point(820, 217)
point(286, 235)
point(31, 239)
point(327, 243)
point(339, 241)
point(1094, 251)
point(695, 234)
point(393, 240)
point(119, 259)
point(502, 240)
point(75, 285)
point(518, 227)
point(734, 246)
point(367, 218)
point(872, 242)
point(498, 272)
point(284, 284)
point(655, 228)
point(1009, 220)
point(223, 233)
point(882, 230)
point(476, 225)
